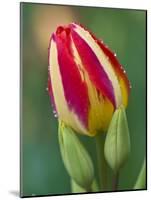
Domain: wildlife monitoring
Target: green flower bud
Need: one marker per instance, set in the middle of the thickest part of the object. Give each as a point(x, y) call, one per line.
point(117, 143)
point(75, 157)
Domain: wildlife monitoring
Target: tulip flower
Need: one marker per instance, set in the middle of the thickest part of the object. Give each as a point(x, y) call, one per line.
point(86, 82)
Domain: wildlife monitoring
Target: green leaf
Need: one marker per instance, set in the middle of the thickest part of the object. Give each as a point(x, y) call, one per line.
point(117, 143)
point(141, 180)
point(75, 157)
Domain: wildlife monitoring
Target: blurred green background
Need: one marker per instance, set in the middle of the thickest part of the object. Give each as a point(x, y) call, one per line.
point(124, 31)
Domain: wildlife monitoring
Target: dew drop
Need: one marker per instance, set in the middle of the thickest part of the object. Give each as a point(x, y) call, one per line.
point(115, 54)
point(46, 88)
point(124, 72)
point(55, 115)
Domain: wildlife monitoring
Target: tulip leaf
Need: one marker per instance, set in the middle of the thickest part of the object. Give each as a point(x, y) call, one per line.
point(141, 180)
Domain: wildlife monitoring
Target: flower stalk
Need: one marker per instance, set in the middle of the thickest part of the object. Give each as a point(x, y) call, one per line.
point(115, 181)
point(101, 162)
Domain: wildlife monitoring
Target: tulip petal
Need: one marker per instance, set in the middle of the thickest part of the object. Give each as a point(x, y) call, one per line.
point(100, 108)
point(94, 68)
point(50, 92)
point(120, 72)
point(118, 69)
point(71, 79)
point(97, 65)
point(70, 93)
point(51, 95)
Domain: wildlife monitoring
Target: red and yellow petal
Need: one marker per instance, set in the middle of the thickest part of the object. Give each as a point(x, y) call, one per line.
point(119, 70)
point(70, 93)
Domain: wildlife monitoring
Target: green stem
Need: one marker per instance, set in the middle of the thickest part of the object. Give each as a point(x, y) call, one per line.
point(102, 165)
point(115, 181)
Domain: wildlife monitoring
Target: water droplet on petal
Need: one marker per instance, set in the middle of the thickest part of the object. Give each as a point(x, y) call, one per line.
point(115, 54)
point(55, 115)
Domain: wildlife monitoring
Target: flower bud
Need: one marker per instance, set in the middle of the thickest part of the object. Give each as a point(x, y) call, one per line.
point(86, 83)
point(117, 143)
point(75, 157)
